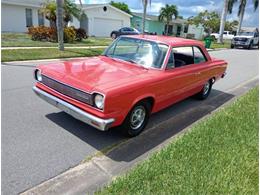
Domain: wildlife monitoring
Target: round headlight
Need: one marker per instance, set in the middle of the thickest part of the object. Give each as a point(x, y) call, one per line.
point(38, 75)
point(99, 101)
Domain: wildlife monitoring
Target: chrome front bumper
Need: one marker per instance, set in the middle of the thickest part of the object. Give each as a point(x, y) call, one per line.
point(101, 124)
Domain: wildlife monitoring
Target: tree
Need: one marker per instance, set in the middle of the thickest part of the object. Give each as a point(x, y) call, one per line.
point(231, 25)
point(145, 2)
point(227, 8)
point(60, 24)
point(241, 11)
point(122, 6)
point(166, 14)
point(49, 9)
point(209, 20)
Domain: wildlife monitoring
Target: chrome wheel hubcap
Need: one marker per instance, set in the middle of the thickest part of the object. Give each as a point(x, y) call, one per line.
point(206, 88)
point(137, 117)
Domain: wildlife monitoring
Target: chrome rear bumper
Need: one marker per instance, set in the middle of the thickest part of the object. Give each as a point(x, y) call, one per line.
point(99, 123)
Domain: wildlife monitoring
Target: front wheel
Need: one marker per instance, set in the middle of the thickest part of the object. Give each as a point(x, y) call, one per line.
point(136, 119)
point(204, 93)
point(250, 46)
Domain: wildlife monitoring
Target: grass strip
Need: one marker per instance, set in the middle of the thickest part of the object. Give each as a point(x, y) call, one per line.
point(48, 53)
point(24, 40)
point(218, 155)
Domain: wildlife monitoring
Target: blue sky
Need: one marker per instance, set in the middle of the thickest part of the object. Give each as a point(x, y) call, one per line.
point(191, 8)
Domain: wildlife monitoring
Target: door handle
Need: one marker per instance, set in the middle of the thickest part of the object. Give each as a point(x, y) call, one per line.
point(197, 73)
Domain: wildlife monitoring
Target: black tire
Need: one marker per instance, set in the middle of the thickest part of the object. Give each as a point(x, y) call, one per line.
point(205, 91)
point(250, 46)
point(129, 128)
point(113, 35)
point(232, 46)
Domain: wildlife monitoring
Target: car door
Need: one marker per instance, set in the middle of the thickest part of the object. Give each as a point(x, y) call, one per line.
point(181, 76)
point(256, 38)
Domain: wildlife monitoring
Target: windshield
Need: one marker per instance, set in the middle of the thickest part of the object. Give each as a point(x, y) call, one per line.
point(246, 33)
point(141, 52)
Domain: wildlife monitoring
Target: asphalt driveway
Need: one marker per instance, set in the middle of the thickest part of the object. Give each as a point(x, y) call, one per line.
point(40, 142)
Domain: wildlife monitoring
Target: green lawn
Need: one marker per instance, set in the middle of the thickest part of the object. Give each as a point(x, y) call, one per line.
point(215, 45)
point(24, 40)
point(37, 54)
point(219, 155)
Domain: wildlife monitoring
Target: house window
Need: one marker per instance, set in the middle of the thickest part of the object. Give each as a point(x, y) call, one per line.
point(28, 15)
point(186, 27)
point(40, 18)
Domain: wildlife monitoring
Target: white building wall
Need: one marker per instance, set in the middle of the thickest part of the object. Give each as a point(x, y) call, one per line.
point(196, 30)
point(102, 23)
point(13, 18)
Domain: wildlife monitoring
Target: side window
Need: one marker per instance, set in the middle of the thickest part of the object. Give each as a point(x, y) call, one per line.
point(198, 56)
point(182, 56)
point(40, 18)
point(28, 15)
point(123, 29)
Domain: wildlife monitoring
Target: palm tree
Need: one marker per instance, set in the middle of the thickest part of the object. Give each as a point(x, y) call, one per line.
point(166, 14)
point(60, 24)
point(145, 2)
point(241, 11)
point(227, 8)
point(49, 9)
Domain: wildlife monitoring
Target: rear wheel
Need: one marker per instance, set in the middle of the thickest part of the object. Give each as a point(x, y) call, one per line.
point(204, 93)
point(136, 119)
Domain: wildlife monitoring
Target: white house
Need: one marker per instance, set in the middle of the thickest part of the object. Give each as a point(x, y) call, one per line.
point(17, 15)
point(99, 19)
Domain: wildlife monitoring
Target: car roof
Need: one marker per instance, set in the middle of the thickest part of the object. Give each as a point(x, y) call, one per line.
point(169, 40)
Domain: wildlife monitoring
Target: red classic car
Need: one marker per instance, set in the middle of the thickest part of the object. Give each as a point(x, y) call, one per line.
point(135, 76)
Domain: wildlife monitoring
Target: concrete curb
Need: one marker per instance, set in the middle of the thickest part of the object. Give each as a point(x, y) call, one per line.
point(99, 171)
point(40, 61)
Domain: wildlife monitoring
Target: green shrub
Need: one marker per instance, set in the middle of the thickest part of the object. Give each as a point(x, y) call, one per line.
point(69, 34)
point(43, 33)
point(81, 34)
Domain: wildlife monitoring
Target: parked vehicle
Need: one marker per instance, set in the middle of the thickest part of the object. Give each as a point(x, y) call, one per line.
point(246, 40)
point(135, 77)
point(226, 35)
point(124, 31)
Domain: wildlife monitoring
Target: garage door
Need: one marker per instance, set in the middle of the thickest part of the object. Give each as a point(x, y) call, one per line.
point(103, 27)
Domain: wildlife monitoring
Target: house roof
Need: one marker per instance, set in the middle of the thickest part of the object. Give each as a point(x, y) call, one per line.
point(91, 6)
point(31, 3)
point(249, 29)
point(38, 3)
point(155, 18)
point(148, 17)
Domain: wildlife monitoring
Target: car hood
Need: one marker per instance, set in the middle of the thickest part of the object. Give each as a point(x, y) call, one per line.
point(91, 73)
point(243, 36)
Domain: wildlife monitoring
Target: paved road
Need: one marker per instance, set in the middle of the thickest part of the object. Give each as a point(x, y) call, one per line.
point(40, 142)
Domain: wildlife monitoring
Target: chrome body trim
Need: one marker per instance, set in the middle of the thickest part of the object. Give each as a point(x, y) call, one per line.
point(98, 123)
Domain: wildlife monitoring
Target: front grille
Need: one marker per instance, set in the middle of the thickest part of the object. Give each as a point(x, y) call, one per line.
point(67, 90)
point(240, 39)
